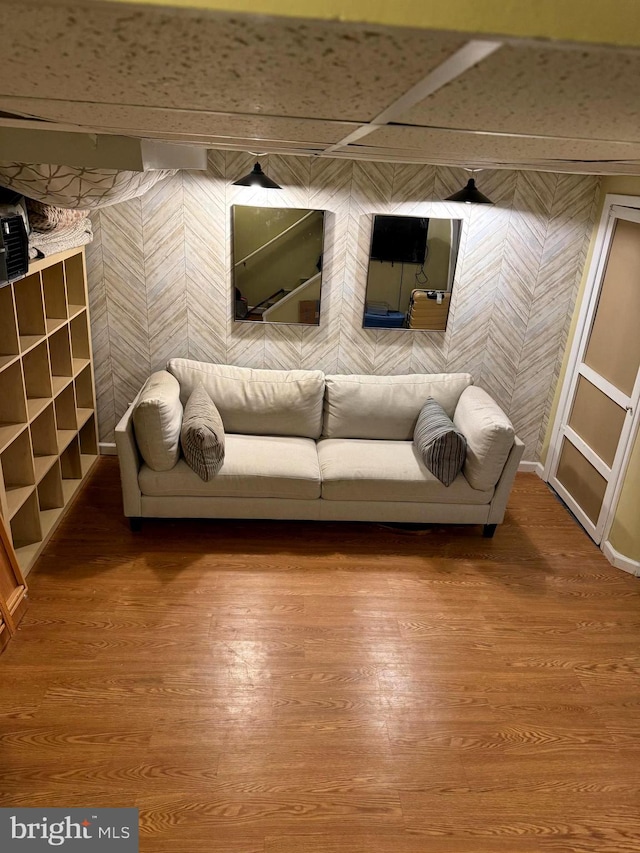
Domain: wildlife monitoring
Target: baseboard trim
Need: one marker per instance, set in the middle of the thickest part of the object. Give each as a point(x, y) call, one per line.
point(620, 561)
point(107, 448)
point(531, 468)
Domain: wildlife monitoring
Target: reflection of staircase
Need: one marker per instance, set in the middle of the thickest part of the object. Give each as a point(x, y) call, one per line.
point(280, 312)
point(270, 243)
point(269, 302)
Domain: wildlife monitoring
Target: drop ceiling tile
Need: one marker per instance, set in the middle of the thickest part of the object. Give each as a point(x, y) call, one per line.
point(137, 121)
point(109, 53)
point(455, 147)
point(589, 93)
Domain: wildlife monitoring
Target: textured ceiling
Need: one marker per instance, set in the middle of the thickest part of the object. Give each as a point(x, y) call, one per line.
point(302, 86)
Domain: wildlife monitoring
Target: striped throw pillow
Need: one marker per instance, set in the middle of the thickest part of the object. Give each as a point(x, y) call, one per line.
point(442, 447)
point(202, 434)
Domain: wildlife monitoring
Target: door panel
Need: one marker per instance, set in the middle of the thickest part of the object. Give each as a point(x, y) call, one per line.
point(613, 350)
point(581, 480)
point(597, 419)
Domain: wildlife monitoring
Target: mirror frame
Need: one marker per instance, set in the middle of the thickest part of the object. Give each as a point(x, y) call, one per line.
point(460, 221)
point(236, 319)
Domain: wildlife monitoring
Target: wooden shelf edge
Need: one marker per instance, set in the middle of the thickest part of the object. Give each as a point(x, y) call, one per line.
point(82, 416)
point(36, 405)
point(69, 488)
point(79, 365)
point(50, 260)
point(59, 383)
point(76, 310)
point(49, 519)
point(42, 468)
point(29, 342)
point(16, 497)
point(87, 461)
point(54, 323)
point(65, 437)
point(27, 555)
point(7, 360)
point(9, 433)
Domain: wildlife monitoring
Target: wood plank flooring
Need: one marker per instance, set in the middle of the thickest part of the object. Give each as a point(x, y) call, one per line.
point(272, 687)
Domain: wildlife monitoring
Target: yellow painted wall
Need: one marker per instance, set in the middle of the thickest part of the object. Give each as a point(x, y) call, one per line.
point(613, 22)
point(625, 533)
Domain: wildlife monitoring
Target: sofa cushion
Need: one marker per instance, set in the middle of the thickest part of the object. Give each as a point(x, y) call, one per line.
point(257, 402)
point(489, 435)
point(440, 445)
point(157, 419)
point(370, 470)
point(386, 407)
point(202, 435)
point(254, 467)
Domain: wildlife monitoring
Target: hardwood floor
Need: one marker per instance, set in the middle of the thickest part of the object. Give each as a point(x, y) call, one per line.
point(271, 687)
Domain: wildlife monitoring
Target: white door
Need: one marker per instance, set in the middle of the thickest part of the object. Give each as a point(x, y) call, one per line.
point(596, 415)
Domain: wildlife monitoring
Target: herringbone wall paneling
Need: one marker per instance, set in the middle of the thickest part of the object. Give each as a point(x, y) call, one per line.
point(160, 279)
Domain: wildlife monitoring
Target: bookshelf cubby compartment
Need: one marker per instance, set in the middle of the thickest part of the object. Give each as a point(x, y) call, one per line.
point(71, 466)
point(88, 438)
point(76, 289)
point(66, 422)
point(37, 379)
point(13, 407)
point(9, 346)
point(25, 525)
point(60, 357)
point(30, 310)
point(80, 350)
point(84, 389)
point(44, 440)
point(50, 499)
point(17, 472)
point(48, 437)
point(55, 300)
point(50, 490)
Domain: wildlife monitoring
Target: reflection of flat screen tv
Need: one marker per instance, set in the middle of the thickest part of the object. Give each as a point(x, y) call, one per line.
point(400, 239)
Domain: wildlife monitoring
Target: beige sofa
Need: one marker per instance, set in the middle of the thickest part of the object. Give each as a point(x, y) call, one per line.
point(302, 445)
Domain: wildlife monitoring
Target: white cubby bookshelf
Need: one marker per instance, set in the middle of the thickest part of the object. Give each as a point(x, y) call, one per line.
point(48, 430)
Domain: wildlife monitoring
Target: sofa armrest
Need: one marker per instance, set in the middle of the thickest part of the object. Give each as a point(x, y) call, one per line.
point(504, 484)
point(129, 464)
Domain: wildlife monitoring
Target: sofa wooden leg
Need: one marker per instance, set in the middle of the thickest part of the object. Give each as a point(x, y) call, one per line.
point(135, 524)
point(488, 530)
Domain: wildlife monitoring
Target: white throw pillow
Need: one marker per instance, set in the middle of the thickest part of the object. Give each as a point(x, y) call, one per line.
point(157, 419)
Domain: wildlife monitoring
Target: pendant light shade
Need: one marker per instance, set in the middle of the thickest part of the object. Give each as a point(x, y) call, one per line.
point(470, 195)
point(257, 178)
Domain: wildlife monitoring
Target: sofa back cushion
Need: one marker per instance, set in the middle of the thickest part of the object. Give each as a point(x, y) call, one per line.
point(257, 402)
point(386, 407)
point(157, 419)
point(489, 435)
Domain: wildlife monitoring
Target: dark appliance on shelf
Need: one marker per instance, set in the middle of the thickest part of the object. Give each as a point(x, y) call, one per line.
point(14, 237)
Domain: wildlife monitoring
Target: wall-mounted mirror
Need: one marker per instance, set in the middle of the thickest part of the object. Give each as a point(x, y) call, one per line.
point(277, 264)
point(412, 263)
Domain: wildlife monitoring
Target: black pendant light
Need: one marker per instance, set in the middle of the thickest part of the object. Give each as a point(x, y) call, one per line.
point(257, 178)
point(470, 195)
